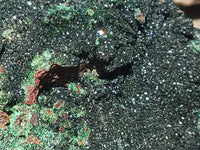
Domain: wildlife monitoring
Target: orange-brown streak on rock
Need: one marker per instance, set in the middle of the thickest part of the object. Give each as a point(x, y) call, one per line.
point(17, 121)
point(56, 76)
point(31, 139)
point(59, 104)
point(4, 119)
point(32, 94)
point(64, 115)
point(34, 119)
point(2, 70)
point(62, 129)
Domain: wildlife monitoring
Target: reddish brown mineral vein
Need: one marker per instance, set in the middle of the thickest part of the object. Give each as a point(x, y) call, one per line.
point(56, 76)
point(2, 70)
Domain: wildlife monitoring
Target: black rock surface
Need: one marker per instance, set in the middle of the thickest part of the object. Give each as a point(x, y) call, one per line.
point(150, 92)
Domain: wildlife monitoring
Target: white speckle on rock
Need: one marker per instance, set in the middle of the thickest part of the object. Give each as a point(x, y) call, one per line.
point(29, 3)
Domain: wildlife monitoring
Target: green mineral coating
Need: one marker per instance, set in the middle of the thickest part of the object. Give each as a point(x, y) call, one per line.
point(78, 111)
point(45, 131)
point(29, 21)
point(90, 12)
point(42, 61)
point(92, 77)
point(58, 8)
point(195, 45)
point(61, 11)
point(90, 22)
point(3, 99)
point(7, 33)
point(111, 33)
point(59, 16)
point(2, 78)
point(97, 41)
point(3, 95)
point(48, 118)
point(73, 86)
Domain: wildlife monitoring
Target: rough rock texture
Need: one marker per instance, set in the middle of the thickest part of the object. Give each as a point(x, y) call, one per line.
point(149, 96)
point(56, 76)
point(4, 119)
point(2, 70)
point(191, 9)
